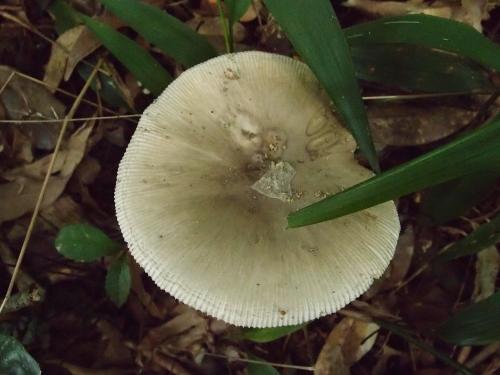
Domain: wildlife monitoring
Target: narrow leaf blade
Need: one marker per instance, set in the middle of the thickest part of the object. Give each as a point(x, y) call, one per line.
point(83, 242)
point(166, 32)
point(118, 281)
point(430, 31)
point(236, 9)
point(14, 359)
point(452, 199)
point(314, 30)
point(263, 335)
point(417, 68)
point(478, 324)
point(471, 154)
point(411, 338)
point(486, 235)
point(135, 58)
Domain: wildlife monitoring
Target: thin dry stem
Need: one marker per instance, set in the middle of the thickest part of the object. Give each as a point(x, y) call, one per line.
point(50, 168)
point(115, 117)
point(246, 360)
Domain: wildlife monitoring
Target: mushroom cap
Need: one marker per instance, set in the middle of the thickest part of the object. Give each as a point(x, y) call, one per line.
point(217, 163)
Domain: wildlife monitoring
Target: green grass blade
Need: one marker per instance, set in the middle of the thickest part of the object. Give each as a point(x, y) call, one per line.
point(485, 236)
point(314, 30)
point(166, 32)
point(64, 16)
point(473, 153)
point(452, 199)
point(416, 68)
point(478, 324)
point(236, 9)
point(412, 339)
point(135, 58)
point(433, 32)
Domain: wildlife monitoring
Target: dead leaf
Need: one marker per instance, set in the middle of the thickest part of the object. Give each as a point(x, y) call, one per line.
point(19, 196)
point(62, 212)
point(346, 344)
point(54, 71)
point(487, 267)
point(186, 332)
point(115, 352)
point(77, 370)
point(211, 28)
point(252, 12)
point(409, 125)
point(27, 100)
point(469, 11)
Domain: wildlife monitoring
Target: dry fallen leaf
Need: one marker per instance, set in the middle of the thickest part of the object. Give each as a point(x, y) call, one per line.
point(212, 29)
point(20, 194)
point(408, 125)
point(487, 267)
point(27, 100)
point(346, 344)
point(54, 71)
point(186, 332)
point(469, 11)
point(252, 12)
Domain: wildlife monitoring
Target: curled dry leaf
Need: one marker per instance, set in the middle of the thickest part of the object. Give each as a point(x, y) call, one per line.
point(26, 100)
point(186, 332)
point(487, 267)
point(346, 344)
point(252, 11)
point(469, 11)
point(409, 125)
point(20, 194)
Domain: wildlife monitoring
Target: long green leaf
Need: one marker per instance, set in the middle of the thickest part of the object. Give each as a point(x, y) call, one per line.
point(417, 68)
point(166, 32)
point(433, 32)
point(471, 154)
point(14, 359)
point(486, 235)
point(135, 58)
point(411, 338)
point(478, 324)
point(314, 30)
point(65, 16)
point(269, 334)
point(453, 198)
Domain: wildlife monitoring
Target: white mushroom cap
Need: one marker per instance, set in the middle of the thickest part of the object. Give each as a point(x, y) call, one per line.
point(217, 163)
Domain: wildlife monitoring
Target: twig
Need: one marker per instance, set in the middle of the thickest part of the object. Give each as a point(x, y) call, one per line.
point(426, 96)
point(115, 117)
point(486, 352)
point(45, 184)
point(246, 360)
point(86, 101)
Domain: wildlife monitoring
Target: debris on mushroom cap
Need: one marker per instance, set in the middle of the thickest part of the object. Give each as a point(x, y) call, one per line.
point(217, 163)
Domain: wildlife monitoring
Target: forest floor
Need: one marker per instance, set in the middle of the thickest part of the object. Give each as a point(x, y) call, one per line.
point(59, 309)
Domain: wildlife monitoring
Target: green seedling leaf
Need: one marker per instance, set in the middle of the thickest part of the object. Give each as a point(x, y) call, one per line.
point(314, 30)
point(417, 68)
point(14, 359)
point(474, 153)
point(410, 337)
point(83, 242)
point(485, 236)
point(135, 58)
point(262, 335)
point(452, 199)
point(429, 31)
point(118, 281)
point(166, 32)
point(478, 324)
point(260, 368)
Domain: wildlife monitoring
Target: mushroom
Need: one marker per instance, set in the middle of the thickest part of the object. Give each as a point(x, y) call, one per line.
point(217, 163)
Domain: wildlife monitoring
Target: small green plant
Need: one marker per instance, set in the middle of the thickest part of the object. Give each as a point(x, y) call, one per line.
point(85, 243)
